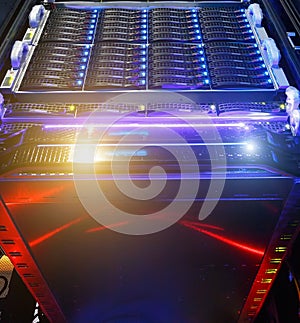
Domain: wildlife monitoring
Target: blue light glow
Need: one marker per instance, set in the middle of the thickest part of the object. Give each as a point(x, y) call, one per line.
point(143, 52)
point(195, 20)
point(86, 53)
point(144, 37)
point(143, 66)
point(81, 74)
point(266, 73)
point(90, 32)
point(144, 31)
point(144, 26)
point(83, 67)
point(198, 37)
point(92, 26)
point(205, 73)
point(196, 26)
point(203, 66)
point(95, 10)
point(206, 81)
point(202, 59)
point(269, 81)
point(143, 59)
point(144, 16)
point(94, 16)
point(79, 82)
point(143, 82)
point(90, 37)
point(84, 60)
point(93, 21)
point(143, 74)
point(194, 15)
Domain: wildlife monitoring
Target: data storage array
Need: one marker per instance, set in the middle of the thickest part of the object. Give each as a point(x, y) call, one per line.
point(203, 48)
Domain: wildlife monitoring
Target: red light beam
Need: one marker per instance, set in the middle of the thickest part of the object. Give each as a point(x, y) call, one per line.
point(228, 241)
point(50, 234)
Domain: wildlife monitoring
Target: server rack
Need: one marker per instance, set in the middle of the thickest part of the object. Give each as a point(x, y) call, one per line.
point(40, 128)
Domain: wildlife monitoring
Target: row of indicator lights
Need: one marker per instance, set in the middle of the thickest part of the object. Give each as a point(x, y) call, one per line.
point(201, 51)
point(83, 66)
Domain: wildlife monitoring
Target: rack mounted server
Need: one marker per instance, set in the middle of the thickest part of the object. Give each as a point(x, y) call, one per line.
point(100, 102)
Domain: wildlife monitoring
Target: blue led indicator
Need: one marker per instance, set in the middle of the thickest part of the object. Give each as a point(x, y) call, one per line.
point(257, 52)
point(205, 73)
point(95, 10)
point(144, 21)
point(263, 65)
point(203, 66)
point(90, 32)
point(90, 38)
point(143, 82)
point(81, 74)
point(198, 37)
point(144, 10)
point(144, 31)
point(197, 31)
point(94, 16)
point(195, 20)
point(202, 59)
point(201, 52)
point(143, 59)
point(244, 15)
point(92, 26)
point(269, 81)
point(144, 16)
point(86, 53)
point(196, 26)
point(193, 10)
point(266, 73)
point(255, 45)
point(206, 81)
point(143, 52)
point(143, 66)
point(143, 74)
point(252, 37)
point(144, 26)
point(84, 60)
point(79, 82)
point(144, 37)
point(260, 58)
point(82, 67)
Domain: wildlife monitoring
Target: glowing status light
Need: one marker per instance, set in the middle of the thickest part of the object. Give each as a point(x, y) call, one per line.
point(206, 81)
point(86, 53)
point(93, 21)
point(269, 81)
point(263, 65)
point(282, 106)
point(92, 26)
point(144, 16)
point(144, 37)
point(144, 31)
point(94, 16)
point(250, 146)
point(196, 26)
point(144, 26)
point(90, 32)
point(90, 38)
point(143, 59)
point(266, 73)
point(143, 82)
point(95, 10)
point(83, 67)
point(197, 31)
point(198, 37)
point(202, 59)
point(72, 107)
point(144, 21)
point(143, 74)
point(203, 66)
point(84, 60)
point(205, 73)
point(195, 20)
point(79, 82)
point(81, 74)
point(143, 66)
point(143, 52)
point(194, 15)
